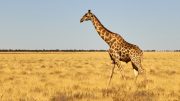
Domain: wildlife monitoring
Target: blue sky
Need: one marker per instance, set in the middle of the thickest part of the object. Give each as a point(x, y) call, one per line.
point(55, 24)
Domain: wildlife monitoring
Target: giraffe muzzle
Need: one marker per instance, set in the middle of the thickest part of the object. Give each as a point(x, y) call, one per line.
point(81, 20)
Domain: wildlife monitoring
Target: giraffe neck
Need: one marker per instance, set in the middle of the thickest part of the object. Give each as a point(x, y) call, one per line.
point(104, 33)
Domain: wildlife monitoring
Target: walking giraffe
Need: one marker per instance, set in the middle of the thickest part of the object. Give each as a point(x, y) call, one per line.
point(120, 50)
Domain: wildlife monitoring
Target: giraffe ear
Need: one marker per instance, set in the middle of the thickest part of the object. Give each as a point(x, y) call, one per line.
point(89, 11)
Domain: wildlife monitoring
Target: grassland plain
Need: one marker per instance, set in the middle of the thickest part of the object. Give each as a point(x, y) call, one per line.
point(83, 76)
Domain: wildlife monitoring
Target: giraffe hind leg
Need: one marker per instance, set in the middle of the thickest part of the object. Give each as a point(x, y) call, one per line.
point(139, 70)
point(136, 63)
point(135, 70)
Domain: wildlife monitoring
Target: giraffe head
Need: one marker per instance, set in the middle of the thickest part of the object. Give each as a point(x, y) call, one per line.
point(87, 16)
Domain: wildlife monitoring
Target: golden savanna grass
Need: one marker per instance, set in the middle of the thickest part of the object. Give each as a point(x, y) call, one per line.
point(83, 76)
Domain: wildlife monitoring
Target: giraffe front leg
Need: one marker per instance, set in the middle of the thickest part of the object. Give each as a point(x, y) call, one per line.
point(111, 75)
point(116, 58)
point(121, 69)
point(112, 72)
point(113, 62)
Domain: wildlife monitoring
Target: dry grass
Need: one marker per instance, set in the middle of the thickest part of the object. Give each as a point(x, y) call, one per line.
point(84, 77)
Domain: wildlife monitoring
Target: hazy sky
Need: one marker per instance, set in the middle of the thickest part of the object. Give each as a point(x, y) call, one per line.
point(55, 24)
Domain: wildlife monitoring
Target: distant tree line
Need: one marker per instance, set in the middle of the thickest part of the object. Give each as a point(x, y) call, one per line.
point(161, 50)
point(73, 50)
point(49, 50)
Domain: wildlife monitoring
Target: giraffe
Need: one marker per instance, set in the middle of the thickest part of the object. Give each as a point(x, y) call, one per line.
point(119, 49)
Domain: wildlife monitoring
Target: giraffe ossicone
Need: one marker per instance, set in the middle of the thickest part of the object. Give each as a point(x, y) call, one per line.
point(119, 49)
